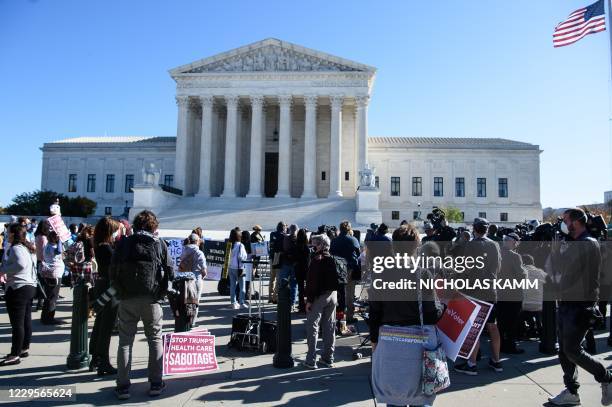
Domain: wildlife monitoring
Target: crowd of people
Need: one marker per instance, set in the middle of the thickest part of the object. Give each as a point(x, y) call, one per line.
point(130, 269)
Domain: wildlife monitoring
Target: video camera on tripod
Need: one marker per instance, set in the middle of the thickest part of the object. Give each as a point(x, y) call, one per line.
point(443, 232)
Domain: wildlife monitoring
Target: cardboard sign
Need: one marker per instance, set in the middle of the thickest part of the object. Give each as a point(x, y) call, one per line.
point(455, 324)
point(214, 251)
point(476, 329)
point(189, 352)
point(57, 224)
point(175, 248)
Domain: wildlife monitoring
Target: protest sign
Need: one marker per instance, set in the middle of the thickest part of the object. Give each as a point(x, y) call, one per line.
point(57, 224)
point(175, 248)
point(189, 352)
point(476, 329)
point(260, 249)
point(455, 324)
point(214, 251)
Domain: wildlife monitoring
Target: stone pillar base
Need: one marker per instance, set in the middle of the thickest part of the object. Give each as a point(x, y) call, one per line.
point(368, 212)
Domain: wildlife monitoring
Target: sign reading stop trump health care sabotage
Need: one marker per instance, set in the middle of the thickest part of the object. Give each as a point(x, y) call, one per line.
point(189, 352)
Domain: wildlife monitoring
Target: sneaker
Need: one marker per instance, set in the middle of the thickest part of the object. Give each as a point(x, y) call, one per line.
point(311, 366)
point(466, 369)
point(606, 394)
point(157, 389)
point(497, 366)
point(327, 364)
point(565, 398)
point(235, 305)
point(244, 306)
point(122, 393)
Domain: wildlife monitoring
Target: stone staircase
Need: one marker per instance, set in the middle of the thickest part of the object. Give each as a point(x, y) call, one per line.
point(225, 213)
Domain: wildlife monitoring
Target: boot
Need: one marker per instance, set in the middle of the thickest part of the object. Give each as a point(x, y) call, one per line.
point(104, 368)
point(93, 364)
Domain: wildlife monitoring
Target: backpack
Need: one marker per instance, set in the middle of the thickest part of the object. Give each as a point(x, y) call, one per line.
point(341, 270)
point(139, 267)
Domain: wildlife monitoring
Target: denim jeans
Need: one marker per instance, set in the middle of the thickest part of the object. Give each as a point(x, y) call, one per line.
point(288, 272)
point(571, 353)
point(234, 279)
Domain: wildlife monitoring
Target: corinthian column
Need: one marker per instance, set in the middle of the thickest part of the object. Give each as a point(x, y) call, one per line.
point(206, 146)
point(180, 162)
point(256, 146)
point(362, 130)
point(231, 135)
point(310, 146)
point(335, 149)
point(284, 146)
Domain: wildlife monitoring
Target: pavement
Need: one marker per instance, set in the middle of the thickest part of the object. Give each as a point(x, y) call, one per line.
point(248, 377)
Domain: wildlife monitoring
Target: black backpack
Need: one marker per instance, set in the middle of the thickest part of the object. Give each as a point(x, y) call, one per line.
point(139, 267)
point(341, 270)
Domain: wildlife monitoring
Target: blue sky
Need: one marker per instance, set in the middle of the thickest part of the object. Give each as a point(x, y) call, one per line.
point(472, 68)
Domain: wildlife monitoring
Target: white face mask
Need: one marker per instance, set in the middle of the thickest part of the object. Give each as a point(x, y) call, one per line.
point(564, 229)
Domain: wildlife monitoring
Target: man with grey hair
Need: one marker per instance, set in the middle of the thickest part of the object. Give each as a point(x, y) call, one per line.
point(321, 302)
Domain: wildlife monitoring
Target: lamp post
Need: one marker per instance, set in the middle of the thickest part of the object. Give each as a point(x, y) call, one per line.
point(79, 356)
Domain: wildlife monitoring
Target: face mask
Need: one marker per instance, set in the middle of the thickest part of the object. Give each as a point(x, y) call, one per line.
point(564, 229)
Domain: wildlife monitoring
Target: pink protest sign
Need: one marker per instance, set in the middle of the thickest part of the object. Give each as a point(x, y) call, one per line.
point(189, 352)
point(59, 227)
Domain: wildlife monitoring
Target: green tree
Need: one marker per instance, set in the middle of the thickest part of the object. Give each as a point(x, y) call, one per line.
point(453, 215)
point(38, 202)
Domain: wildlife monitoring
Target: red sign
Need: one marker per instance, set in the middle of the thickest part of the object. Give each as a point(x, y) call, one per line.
point(455, 317)
point(189, 352)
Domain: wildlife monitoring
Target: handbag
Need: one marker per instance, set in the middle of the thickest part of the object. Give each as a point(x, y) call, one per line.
point(435, 375)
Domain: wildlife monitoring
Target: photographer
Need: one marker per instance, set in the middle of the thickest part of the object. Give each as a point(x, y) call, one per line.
point(576, 263)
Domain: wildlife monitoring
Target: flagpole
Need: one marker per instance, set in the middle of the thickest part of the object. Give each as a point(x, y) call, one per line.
point(608, 3)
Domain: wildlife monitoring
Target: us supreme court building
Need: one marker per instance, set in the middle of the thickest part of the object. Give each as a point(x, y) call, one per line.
point(274, 130)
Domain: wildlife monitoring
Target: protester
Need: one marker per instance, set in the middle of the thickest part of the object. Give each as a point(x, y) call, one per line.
point(40, 241)
point(403, 387)
point(51, 271)
point(510, 300)
point(256, 237)
point(237, 276)
point(302, 262)
point(193, 263)
point(533, 298)
point(381, 234)
point(321, 302)
point(140, 271)
point(276, 249)
point(482, 246)
point(288, 262)
point(492, 233)
point(429, 232)
point(105, 236)
point(20, 270)
point(347, 247)
point(576, 266)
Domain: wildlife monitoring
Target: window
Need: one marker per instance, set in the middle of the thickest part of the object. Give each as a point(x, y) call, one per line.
point(91, 182)
point(377, 181)
point(416, 215)
point(169, 180)
point(482, 215)
point(417, 186)
point(110, 183)
point(395, 186)
point(72, 180)
point(346, 176)
point(438, 186)
point(395, 215)
point(129, 182)
point(503, 187)
point(503, 217)
point(108, 210)
point(460, 187)
point(481, 187)
point(462, 216)
point(323, 176)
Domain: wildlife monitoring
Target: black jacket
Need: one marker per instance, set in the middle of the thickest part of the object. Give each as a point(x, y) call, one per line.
point(347, 247)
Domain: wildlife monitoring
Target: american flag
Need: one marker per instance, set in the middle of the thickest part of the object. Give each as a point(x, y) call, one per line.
point(582, 22)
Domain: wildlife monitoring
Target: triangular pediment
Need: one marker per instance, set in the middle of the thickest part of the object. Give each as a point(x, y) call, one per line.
point(272, 55)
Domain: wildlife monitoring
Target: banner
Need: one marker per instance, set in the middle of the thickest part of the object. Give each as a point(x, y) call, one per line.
point(476, 329)
point(214, 251)
point(189, 352)
point(57, 224)
point(175, 248)
point(456, 323)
